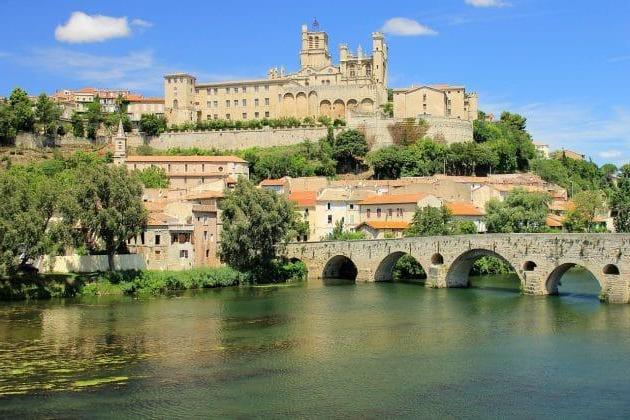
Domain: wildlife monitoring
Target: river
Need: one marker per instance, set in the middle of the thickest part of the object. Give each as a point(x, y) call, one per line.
point(313, 351)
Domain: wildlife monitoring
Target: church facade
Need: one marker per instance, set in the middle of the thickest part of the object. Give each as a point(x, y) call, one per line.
point(357, 83)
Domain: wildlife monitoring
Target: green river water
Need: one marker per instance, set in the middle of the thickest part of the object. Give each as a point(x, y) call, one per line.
point(320, 351)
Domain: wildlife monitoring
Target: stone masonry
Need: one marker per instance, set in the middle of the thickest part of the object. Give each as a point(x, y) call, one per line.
point(539, 260)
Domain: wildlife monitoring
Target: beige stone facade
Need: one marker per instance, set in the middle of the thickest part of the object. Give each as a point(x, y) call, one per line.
point(437, 101)
point(319, 87)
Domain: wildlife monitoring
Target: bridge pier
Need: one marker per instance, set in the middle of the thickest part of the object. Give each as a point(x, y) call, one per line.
point(617, 289)
point(436, 276)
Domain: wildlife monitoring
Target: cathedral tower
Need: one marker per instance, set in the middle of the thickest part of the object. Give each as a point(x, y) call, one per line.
point(314, 52)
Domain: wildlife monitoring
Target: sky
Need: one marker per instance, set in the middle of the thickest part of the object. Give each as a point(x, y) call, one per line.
point(563, 64)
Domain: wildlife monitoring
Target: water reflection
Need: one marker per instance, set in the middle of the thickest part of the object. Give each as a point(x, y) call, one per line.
point(319, 350)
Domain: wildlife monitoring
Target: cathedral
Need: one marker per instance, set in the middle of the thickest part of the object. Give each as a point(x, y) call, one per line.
point(357, 84)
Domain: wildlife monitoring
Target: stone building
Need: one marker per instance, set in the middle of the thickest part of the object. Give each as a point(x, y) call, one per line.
point(137, 106)
point(319, 87)
point(443, 101)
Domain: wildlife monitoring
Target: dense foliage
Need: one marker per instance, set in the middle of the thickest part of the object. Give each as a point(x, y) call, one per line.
point(153, 177)
point(587, 205)
point(436, 221)
point(152, 125)
point(620, 200)
point(340, 234)
point(80, 202)
point(521, 211)
point(575, 175)
point(255, 124)
point(257, 223)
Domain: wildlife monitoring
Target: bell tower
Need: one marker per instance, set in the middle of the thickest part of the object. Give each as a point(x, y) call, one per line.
point(120, 145)
point(314, 52)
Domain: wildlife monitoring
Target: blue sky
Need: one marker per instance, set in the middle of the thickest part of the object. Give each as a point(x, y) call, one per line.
point(564, 64)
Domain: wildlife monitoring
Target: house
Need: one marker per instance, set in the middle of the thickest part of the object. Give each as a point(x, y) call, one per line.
point(395, 207)
point(305, 205)
point(338, 204)
point(466, 211)
point(383, 229)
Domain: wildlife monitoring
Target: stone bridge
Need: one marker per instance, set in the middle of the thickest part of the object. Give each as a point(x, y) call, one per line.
point(539, 260)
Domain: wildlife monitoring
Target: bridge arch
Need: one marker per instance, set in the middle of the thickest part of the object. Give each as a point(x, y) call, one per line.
point(386, 268)
point(611, 269)
point(340, 267)
point(555, 277)
point(458, 274)
point(437, 259)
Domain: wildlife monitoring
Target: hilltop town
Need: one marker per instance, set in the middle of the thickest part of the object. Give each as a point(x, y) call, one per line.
point(353, 155)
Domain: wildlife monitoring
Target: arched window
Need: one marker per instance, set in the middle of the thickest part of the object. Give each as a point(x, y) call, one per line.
point(175, 104)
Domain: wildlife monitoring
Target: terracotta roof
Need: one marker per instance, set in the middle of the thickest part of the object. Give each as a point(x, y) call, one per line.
point(154, 206)
point(158, 219)
point(463, 208)
point(386, 224)
point(204, 195)
point(345, 194)
point(273, 182)
point(394, 198)
point(554, 221)
point(561, 205)
point(169, 158)
point(138, 98)
point(303, 198)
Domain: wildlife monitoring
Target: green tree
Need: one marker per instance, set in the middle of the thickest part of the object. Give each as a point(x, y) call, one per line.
point(27, 228)
point(620, 201)
point(94, 118)
point(22, 109)
point(388, 109)
point(113, 119)
point(152, 125)
point(463, 227)
point(349, 147)
point(521, 211)
point(587, 205)
point(7, 123)
point(47, 113)
point(78, 129)
point(109, 208)
point(408, 268)
point(340, 234)
point(257, 223)
point(153, 177)
point(430, 221)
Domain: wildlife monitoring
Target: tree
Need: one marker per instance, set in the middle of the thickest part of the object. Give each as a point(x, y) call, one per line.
point(152, 125)
point(113, 119)
point(620, 200)
point(587, 205)
point(7, 123)
point(153, 177)
point(27, 230)
point(340, 234)
point(407, 132)
point(388, 109)
point(430, 221)
point(348, 148)
point(22, 109)
point(94, 118)
point(257, 223)
point(521, 211)
point(47, 113)
point(109, 208)
point(78, 129)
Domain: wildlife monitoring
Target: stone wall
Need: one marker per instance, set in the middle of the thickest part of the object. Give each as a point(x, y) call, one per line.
point(90, 263)
point(539, 260)
point(376, 129)
point(232, 139)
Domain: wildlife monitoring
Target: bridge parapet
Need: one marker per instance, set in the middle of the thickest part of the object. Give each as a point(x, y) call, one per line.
point(539, 260)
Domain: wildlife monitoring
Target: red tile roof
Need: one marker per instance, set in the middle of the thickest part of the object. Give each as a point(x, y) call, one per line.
point(273, 182)
point(303, 198)
point(386, 224)
point(463, 208)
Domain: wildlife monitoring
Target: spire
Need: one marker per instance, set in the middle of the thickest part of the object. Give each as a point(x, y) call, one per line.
point(121, 130)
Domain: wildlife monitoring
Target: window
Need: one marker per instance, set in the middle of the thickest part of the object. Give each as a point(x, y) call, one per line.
point(256, 102)
point(266, 114)
point(267, 101)
point(227, 104)
point(216, 91)
point(390, 212)
point(142, 238)
point(173, 238)
point(244, 89)
point(424, 97)
point(235, 102)
point(351, 206)
point(305, 212)
point(215, 116)
point(208, 91)
point(328, 206)
point(183, 253)
point(205, 235)
point(330, 219)
point(266, 88)
point(207, 253)
point(209, 104)
point(244, 115)
point(235, 90)
point(227, 116)
point(256, 114)
point(244, 101)
point(227, 90)
point(157, 239)
point(216, 104)
point(378, 213)
point(368, 213)
point(175, 104)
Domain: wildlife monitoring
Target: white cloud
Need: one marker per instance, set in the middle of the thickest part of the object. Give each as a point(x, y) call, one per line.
point(141, 23)
point(83, 28)
point(609, 154)
point(406, 27)
point(486, 3)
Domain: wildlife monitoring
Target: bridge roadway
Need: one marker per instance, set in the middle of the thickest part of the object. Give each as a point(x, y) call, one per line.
point(538, 259)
